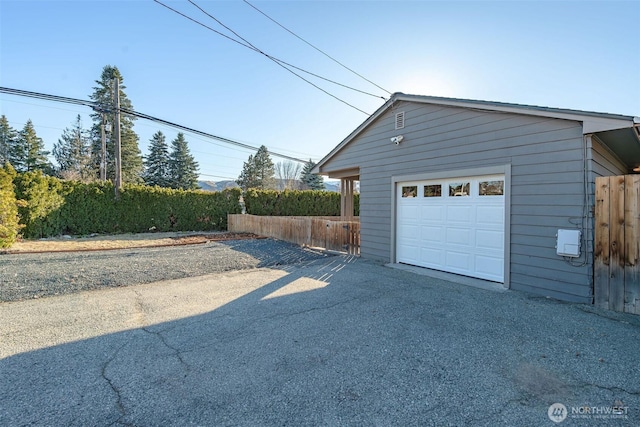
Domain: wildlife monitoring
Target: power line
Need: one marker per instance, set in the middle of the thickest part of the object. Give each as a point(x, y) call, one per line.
point(316, 48)
point(96, 106)
point(280, 61)
point(277, 61)
point(217, 176)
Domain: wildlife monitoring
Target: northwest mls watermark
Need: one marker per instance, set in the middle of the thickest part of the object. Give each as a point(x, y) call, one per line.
point(559, 412)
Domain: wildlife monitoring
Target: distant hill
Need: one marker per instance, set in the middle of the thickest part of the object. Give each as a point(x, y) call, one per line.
point(216, 186)
point(221, 185)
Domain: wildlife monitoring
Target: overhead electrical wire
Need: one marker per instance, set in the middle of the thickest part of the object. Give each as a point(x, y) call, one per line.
point(316, 48)
point(280, 62)
point(98, 107)
point(276, 60)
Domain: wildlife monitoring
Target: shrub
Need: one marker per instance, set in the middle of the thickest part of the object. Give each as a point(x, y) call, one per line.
point(43, 198)
point(55, 207)
point(9, 220)
point(295, 203)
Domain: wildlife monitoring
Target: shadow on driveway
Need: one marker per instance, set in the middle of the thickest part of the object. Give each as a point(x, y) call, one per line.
point(332, 341)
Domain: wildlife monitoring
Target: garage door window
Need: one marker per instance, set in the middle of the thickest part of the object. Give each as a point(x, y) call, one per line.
point(491, 188)
point(410, 191)
point(459, 189)
point(433, 190)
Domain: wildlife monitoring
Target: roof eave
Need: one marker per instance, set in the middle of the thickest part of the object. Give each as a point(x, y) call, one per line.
point(592, 122)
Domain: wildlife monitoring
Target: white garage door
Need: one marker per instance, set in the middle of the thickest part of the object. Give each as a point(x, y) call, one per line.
point(454, 225)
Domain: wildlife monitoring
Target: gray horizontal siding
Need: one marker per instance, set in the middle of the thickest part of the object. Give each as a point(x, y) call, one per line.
point(605, 163)
point(546, 181)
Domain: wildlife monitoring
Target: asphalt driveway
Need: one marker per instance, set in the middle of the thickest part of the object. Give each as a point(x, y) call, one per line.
point(334, 341)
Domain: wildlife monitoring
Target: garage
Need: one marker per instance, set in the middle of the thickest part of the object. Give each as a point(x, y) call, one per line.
point(454, 225)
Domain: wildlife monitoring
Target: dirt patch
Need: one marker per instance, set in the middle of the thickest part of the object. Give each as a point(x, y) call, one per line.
point(122, 241)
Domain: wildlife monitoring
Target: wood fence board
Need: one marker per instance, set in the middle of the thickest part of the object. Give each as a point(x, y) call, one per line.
point(324, 232)
point(632, 244)
point(601, 244)
point(617, 256)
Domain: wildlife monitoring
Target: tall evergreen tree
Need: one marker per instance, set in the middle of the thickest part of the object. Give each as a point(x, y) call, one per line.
point(28, 153)
point(72, 152)
point(103, 95)
point(183, 168)
point(310, 180)
point(157, 170)
point(258, 172)
point(247, 178)
point(8, 137)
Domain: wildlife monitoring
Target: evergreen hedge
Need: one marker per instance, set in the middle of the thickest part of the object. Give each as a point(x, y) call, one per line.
point(43, 198)
point(295, 203)
point(9, 220)
point(46, 206)
point(55, 207)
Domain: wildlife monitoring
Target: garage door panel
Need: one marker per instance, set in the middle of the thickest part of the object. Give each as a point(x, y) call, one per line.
point(490, 239)
point(458, 234)
point(490, 215)
point(432, 214)
point(432, 234)
point(489, 268)
point(431, 257)
point(459, 213)
point(408, 253)
point(460, 261)
point(410, 212)
point(409, 231)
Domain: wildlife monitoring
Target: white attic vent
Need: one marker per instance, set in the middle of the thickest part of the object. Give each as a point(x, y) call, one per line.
point(400, 120)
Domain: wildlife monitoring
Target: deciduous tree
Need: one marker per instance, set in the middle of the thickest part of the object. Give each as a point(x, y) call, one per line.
point(288, 174)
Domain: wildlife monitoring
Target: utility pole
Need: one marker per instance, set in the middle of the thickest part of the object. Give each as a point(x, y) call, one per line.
point(116, 137)
point(103, 152)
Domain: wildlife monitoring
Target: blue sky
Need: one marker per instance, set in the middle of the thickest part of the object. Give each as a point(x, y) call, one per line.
point(582, 55)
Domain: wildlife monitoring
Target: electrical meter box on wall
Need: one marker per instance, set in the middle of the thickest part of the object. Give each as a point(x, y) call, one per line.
point(568, 243)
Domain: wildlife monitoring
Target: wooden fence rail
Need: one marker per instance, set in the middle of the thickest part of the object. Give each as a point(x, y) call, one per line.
point(617, 243)
point(323, 232)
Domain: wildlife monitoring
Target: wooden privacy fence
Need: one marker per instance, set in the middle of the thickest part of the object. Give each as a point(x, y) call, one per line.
point(323, 232)
point(617, 243)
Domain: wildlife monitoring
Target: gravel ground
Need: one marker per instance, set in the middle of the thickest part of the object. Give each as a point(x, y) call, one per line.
point(26, 276)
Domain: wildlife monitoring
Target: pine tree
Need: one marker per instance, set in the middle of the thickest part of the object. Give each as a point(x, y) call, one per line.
point(258, 172)
point(28, 154)
point(157, 162)
point(183, 169)
point(247, 178)
point(8, 137)
point(72, 152)
point(131, 156)
point(310, 180)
